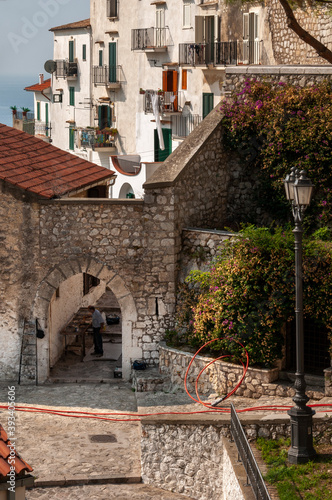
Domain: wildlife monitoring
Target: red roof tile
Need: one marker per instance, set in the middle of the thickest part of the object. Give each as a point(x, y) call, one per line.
point(20, 464)
point(39, 87)
point(79, 24)
point(39, 167)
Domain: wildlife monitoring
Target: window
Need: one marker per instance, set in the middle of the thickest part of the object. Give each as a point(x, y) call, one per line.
point(184, 79)
point(186, 21)
point(104, 117)
point(72, 96)
point(100, 58)
point(38, 110)
point(251, 45)
point(112, 8)
point(84, 52)
point(89, 282)
point(71, 51)
point(207, 103)
point(170, 84)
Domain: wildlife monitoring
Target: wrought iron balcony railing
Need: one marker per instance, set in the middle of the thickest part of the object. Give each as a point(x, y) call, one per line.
point(150, 39)
point(167, 102)
point(221, 53)
point(110, 76)
point(66, 69)
point(182, 125)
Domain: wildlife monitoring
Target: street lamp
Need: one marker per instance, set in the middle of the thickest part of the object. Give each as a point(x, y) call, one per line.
point(299, 191)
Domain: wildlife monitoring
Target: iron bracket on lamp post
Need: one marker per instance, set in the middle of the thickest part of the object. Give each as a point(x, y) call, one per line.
point(299, 191)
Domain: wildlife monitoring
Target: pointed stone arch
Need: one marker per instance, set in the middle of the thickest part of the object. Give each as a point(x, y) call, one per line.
point(91, 265)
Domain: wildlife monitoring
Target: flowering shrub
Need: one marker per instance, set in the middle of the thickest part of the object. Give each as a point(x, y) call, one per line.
point(249, 294)
point(282, 126)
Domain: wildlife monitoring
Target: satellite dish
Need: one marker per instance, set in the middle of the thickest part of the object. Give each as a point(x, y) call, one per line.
point(50, 66)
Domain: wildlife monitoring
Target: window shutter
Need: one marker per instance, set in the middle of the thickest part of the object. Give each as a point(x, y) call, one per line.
point(186, 14)
point(112, 8)
point(109, 120)
point(165, 80)
point(199, 29)
point(207, 103)
point(100, 58)
point(84, 52)
point(252, 26)
point(71, 51)
point(38, 110)
point(100, 117)
point(72, 96)
point(184, 79)
point(112, 61)
point(245, 26)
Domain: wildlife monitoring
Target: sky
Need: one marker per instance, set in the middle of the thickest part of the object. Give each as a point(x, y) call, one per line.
point(25, 40)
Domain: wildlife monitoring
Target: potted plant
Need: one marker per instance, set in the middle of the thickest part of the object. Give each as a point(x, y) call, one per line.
point(25, 111)
point(160, 92)
point(141, 91)
point(14, 109)
point(113, 131)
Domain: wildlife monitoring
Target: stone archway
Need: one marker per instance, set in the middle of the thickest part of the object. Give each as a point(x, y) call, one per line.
point(65, 270)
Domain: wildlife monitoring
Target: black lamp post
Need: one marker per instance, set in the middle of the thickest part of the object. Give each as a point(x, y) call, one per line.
point(298, 191)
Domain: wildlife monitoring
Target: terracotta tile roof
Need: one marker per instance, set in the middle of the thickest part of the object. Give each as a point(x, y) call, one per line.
point(79, 24)
point(39, 167)
point(20, 464)
point(39, 87)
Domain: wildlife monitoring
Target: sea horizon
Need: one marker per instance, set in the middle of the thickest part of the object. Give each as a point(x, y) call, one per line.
point(12, 93)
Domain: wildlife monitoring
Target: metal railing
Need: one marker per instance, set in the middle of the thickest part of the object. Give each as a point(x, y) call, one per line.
point(182, 125)
point(167, 101)
point(27, 116)
point(149, 38)
point(254, 476)
point(225, 53)
point(103, 75)
point(42, 128)
point(65, 68)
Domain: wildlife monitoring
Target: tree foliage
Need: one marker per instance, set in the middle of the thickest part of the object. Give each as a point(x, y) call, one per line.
point(287, 126)
point(248, 294)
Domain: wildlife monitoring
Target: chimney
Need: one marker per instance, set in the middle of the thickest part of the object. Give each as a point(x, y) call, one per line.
point(41, 78)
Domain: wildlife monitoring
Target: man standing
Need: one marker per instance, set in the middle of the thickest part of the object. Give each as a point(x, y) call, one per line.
point(97, 325)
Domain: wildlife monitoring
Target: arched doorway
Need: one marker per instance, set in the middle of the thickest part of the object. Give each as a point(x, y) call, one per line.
point(126, 191)
point(71, 271)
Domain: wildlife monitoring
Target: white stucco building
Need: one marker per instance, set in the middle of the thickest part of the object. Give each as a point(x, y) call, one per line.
point(134, 80)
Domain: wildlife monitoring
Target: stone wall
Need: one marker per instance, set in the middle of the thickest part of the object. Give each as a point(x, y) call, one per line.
point(191, 454)
point(219, 378)
point(288, 48)
point(199, 248)
point(301, 76)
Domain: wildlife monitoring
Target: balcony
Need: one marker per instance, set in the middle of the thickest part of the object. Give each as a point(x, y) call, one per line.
point(167, 101)
point(221, 53)
point(110, 76)
point(66, 69)
point(182, 125)
point(97, 140)
point(150, 39)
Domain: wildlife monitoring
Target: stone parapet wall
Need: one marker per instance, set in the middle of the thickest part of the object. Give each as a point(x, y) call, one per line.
point(191, 454)
point(218, 378)
point(295, 75)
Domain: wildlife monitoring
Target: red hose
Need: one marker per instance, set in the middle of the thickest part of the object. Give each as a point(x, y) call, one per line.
point(136, 417)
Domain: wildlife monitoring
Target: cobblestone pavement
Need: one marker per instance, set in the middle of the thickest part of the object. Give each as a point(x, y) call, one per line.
point(66, 448)
point(104, 492)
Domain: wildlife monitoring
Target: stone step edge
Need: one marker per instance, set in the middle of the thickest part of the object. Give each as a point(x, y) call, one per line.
point(73, 380)
point(81, 480)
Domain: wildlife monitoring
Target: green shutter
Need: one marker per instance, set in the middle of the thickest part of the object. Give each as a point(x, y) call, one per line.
point(72, 96)
point(38, 110)
point(100, 117)
point(84, 53)
point(46, 118)
point(109, 116)
point(71, 51)
point(207, 103)
point(71, 138)
point(162, 154)
point(100, 58)
point(112, 62)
